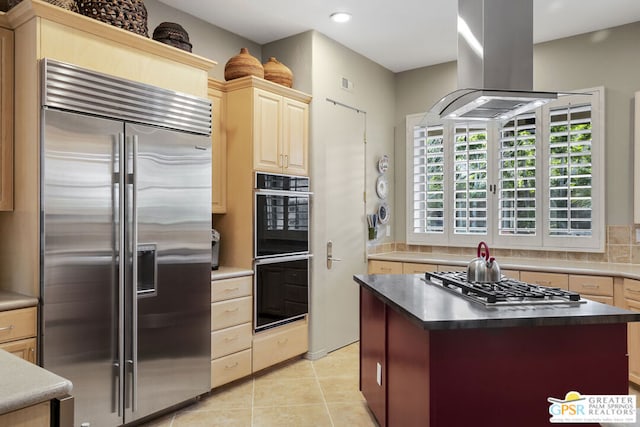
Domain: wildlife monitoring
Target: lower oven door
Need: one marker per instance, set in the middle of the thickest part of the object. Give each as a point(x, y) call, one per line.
point(281, 290)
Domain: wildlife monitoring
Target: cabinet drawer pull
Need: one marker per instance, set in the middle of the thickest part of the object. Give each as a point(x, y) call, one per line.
point(543, 282)
point(231, 310)
point(6, 328)
point(232, 289)
point(233, 338)
point(284, 341)
point(231, 366)
point(590, 286)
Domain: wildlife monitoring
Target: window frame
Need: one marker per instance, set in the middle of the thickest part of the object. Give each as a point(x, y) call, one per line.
point(542, 239)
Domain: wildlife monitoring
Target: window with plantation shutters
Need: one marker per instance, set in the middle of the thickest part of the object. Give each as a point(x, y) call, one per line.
point(428, 179)
point(533, 182)
point(470, 179)
point(517, 177)
point(570, 171)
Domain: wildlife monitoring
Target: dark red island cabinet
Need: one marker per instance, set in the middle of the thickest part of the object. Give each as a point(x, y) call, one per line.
point(412, 376)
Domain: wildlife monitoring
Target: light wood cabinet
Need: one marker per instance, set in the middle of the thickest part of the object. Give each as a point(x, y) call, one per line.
point(217, 96)
point(384, 267)
point(32, 416)
point(6, 120)
point(417, 268)
point(596, 288)
point(273, 120)
point(18, 332)
point(442, 267)
point(279, 344)
point(554, 280)
point(632, 302)
point(511, 274)
point(281, 128)
point(231, 329)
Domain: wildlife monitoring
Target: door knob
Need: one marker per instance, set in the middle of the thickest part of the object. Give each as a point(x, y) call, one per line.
point(330, 258)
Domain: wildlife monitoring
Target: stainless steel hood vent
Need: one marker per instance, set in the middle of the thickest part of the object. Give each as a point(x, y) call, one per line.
point(495, 62)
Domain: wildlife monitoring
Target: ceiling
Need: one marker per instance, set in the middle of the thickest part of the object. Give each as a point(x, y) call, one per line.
point(411, 34)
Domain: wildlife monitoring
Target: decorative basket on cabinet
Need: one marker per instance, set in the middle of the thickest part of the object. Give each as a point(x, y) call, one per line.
point(65, 4)
point(130, 15)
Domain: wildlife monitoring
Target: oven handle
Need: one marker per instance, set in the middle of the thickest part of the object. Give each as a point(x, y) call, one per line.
point(273, 260)
point(283, 193)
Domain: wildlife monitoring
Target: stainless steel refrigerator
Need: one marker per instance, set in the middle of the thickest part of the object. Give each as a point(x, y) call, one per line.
point(125, 243)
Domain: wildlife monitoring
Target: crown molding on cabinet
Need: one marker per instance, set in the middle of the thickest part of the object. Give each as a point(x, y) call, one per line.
point(29, 9)
point(256, 82)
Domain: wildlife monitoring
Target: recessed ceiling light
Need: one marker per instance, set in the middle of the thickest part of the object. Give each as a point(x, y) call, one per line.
point(340, 16)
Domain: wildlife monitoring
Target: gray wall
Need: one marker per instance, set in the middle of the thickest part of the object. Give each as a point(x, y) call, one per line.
point(208, 40)
point(606, 58)
point(296, 53)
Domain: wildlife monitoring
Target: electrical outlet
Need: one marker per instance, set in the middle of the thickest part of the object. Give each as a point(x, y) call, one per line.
point(637, 235)
point(388, 230)
point(379, 373)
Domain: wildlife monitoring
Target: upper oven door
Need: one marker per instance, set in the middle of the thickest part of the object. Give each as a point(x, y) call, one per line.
point(281, 223)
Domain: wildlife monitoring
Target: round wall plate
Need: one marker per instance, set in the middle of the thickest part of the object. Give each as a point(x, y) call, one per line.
point(382, 187)
point(383, 213)
point(383, 164)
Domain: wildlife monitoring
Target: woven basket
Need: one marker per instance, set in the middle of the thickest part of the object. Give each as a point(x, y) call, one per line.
point(277, 72)
point(130, 15)
point(241, 65)
point(172, 34)
point(65, 4)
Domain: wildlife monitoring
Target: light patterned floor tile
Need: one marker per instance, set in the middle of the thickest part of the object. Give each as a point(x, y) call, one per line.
point(340, 389)
point(286, 391)
point(238, 395)
point(351, 414)
point(217, 418)
point(292, 416)
point(298, 368)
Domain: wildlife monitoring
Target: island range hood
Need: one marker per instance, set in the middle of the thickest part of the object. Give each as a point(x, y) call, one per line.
point(495, 62)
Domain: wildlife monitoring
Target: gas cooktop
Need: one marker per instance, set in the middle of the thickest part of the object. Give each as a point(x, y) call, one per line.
point(505, 292)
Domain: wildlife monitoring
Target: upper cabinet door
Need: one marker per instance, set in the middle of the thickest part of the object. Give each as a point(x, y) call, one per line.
point(218, 152)
point(6, 120)
point(267, 131)
point(295, 138)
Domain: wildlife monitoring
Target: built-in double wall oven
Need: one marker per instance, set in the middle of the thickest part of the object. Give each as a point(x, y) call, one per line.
point(281, 249)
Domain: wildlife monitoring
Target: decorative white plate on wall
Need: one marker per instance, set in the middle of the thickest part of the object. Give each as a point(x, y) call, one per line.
point(382, 187)
point(383, 213)
point(383, 164)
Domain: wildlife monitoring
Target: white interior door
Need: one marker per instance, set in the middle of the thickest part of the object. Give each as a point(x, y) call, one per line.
point(344, 213)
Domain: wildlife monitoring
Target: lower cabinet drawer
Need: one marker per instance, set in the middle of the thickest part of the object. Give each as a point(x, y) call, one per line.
point(231, 367)
point(598, 298)
point(553, 280)
point(279, 344)
point(230, 340)
point(24, 349)
point(231, 312)
point(591, 285)
point(17, 324)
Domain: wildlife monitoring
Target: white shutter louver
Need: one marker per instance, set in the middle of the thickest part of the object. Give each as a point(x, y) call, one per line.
point(470, 179)
point(428, 179)
point(517, 177)
point(570, 171)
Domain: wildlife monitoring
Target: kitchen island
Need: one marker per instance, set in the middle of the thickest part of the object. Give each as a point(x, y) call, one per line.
point(432, 358)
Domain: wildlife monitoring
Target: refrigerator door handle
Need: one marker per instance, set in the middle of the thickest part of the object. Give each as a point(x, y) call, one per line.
point(134, 286)
point(121, 251)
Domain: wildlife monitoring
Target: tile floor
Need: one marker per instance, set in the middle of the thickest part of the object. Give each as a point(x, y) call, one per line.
point(323, 392)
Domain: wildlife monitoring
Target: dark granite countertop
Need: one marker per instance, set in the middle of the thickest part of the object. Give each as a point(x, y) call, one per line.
point(433, 307)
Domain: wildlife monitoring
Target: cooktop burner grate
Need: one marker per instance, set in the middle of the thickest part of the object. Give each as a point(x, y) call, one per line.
point(505, 292)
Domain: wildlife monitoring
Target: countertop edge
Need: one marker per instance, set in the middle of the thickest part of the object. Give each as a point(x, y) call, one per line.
point(25, 384)
point(13, 301)
point(230, 273)
point(628, 271)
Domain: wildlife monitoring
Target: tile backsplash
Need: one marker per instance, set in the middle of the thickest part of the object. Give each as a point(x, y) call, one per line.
point(621, 247)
